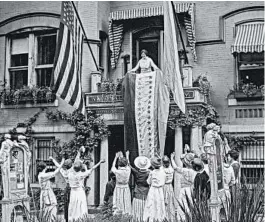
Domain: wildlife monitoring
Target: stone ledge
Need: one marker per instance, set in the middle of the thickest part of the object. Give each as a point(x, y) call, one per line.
point(28, 105)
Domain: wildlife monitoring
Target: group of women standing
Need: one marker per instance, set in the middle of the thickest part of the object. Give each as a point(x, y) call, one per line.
point(153, 196)
point(74, 175)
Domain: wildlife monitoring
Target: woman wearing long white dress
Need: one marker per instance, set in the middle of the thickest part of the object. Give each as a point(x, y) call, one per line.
point(186, 181)
point(121, 195)
point(78, 202)
point(229, 182)
point(170, 200)
point(145, 63)
point(155, 209)
point(48, 202)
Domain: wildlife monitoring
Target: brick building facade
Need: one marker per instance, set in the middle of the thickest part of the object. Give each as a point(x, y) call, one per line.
point(24, 24)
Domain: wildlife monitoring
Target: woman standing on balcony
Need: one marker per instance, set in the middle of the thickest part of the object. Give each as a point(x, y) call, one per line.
point(145, 63)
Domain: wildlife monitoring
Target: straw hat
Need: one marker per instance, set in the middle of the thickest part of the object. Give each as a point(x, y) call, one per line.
point(197, 164)
point(142, 162)
point(187, 158)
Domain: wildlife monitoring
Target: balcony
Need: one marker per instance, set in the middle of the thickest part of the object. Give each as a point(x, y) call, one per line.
point(105, 100)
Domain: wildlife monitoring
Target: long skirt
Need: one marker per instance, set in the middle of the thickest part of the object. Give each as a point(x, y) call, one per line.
point(155, 209)
point(225, 198)
point(170, 202)
point(122, 199)
point(67, 192)
point(48, 205)
point(78, 204)
point(185, 192)
point(138, 209)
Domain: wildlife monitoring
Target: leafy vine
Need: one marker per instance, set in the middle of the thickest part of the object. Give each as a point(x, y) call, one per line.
point(196, 116)
point(88, 133)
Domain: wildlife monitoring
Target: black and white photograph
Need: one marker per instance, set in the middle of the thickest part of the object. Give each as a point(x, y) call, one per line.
point(132, 111)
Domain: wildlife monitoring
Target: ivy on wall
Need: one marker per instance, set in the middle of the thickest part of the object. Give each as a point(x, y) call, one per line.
point(193, 117)
point(89, 131)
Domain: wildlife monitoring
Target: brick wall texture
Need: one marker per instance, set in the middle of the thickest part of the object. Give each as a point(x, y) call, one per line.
point(215, 59)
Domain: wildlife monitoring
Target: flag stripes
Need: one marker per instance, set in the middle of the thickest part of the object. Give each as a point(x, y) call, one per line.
point(67, 63)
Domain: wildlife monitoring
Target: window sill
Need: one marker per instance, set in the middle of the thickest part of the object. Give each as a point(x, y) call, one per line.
point(30, 105)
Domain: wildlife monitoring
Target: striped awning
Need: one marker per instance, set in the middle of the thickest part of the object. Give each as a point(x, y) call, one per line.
point(249, 38)
point(148, 12)
point(116, 30)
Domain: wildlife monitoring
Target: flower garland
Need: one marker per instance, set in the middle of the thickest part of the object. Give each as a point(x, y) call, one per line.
point(88, 133)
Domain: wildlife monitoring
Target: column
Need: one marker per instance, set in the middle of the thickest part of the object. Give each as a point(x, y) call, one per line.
point(91, 184)
point(214, 202)
point(178, 152)
point(194, 138)
point(95, 79)
point(104, 168)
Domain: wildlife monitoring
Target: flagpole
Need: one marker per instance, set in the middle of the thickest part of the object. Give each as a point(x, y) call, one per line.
point(178, 25)
point(81, 24)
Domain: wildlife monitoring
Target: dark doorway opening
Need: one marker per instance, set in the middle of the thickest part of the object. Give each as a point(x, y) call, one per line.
point(116, 141)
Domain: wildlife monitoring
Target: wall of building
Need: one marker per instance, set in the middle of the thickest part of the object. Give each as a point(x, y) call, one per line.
point(214, 27)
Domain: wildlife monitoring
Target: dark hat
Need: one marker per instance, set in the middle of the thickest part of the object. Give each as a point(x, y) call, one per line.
point(197, 164)
point(122, 162)
point(204, 157)
point(166, 159)
point(156, 162)
point(234, 153)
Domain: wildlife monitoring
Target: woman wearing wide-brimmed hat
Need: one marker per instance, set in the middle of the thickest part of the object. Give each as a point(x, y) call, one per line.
point(186, 181)
point(140, 173)
point(155, 209)
point(170, 199)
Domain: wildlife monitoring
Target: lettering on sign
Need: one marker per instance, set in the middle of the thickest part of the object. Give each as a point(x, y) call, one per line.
point(112, 97)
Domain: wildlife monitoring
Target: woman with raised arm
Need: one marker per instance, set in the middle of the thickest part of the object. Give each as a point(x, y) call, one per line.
point(186, 181)
point(48, 202)
point(68, 165)
point(140, 173)
point(122, 195)
point(170, 199)
point(155, 209)
point(78, 202)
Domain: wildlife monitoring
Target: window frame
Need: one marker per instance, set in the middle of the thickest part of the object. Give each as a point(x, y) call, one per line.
point(255, 66)
point(34, 159)
point(32, 67)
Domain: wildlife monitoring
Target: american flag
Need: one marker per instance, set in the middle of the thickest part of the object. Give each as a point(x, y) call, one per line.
point(68, 56)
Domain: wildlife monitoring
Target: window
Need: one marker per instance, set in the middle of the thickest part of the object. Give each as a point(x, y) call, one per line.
point(43, 150)
point(46, 45)
point(248, 50)
point(31, 59)
point(19, 62)
point(251, 68)
point(252, 161)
